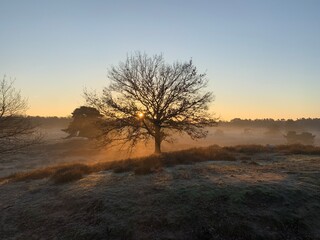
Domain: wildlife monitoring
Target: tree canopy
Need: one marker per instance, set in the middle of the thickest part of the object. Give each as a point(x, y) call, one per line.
point(150, 99)
point(84, 123)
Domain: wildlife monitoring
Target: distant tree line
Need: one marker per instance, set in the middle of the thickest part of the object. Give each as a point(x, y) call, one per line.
point(50, 122)
point(302, 123)
point(290, 124)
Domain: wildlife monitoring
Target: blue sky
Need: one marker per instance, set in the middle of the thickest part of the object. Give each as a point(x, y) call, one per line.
point(262, 57)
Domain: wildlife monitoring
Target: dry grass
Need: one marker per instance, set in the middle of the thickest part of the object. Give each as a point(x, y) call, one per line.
point(33, 175)
point(146, 165)
point(298, 149)
point(70, 173)
point(198, 201)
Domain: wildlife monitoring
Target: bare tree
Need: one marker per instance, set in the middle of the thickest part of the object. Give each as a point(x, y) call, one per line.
point(16, 130)
point(150, 99)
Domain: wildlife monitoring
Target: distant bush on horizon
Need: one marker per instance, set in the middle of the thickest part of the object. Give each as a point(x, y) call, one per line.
point(302, 138)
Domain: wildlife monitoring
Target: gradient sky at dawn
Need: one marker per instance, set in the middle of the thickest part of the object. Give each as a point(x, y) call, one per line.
point(262, 57)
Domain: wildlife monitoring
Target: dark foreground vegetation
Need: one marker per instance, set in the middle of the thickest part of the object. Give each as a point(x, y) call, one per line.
point(242, 192)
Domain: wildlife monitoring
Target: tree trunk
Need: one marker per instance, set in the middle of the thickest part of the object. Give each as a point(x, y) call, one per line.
point(157, 140)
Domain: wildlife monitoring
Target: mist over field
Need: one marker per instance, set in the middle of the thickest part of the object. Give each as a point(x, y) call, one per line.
point(58, 149)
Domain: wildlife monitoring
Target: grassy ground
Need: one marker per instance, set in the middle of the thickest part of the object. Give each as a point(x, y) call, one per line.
point(260, 192)
point(69, 172)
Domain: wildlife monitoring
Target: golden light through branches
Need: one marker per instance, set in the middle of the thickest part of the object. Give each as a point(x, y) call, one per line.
point(140, 115)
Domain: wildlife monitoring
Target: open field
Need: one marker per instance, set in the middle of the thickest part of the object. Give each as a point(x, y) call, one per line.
point(245, 192)
point(57, 150)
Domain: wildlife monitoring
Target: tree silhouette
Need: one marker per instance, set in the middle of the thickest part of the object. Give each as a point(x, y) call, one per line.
point(16, 130)
point(150, 99)
point(85, 121)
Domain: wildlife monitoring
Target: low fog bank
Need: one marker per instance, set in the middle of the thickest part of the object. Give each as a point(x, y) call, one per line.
point(234, 132)
point(221, 135)
point(56, 149)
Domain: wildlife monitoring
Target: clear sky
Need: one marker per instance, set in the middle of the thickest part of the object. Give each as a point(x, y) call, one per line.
point(262, 57)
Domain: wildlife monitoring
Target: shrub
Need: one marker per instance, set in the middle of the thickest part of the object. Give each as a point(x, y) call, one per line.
point(249, 149)
point(122, 169)
point(34, 175)
point(70, 173)
point(299, 149)
point(143, 170)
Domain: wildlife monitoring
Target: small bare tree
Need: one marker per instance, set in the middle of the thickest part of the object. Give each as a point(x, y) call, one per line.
point(149, 99)
point(16, 130)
